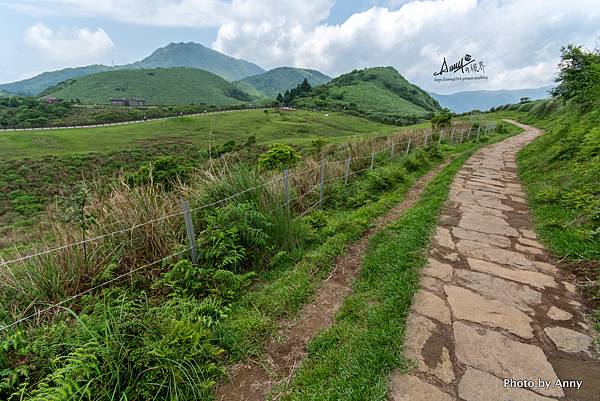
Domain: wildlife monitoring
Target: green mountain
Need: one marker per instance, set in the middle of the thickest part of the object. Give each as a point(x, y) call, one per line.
point(36, 85)
point(461, 102)
point(173, 55)
point(159, 86)
point(278, 80)
point(379, 93)
point(197, 56)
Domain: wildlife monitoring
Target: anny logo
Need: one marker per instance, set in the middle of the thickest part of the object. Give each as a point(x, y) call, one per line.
point(466, 69)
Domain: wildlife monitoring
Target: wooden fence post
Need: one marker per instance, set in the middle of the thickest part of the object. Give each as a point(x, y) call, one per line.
point(321, 187)
point(372, 159)
point(189, 229)
point(286, 189)
point(408, 145)
point(347, 172)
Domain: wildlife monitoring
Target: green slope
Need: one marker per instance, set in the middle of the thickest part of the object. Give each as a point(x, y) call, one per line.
point(197, 56)
point(380, 93)
point(156, 86)
point(173, 55)
point(278, 80)
point(298, 127)
point(36, 85)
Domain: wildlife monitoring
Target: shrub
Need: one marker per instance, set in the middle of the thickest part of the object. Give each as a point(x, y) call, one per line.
point(278, 156)
point(235, 238)
point(165, 170)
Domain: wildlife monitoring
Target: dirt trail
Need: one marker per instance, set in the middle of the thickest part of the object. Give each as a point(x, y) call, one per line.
point(493, 305)
point(253, 381)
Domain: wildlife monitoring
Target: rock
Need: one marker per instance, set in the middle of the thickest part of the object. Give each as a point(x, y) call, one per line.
point(529, 249)
point(443, 237)
point(530, 242)
point(517, 295)
point(558, 314)
point(431, 283)
point(486, 224)
point(411, 388)
point(534, 279)
point(468, 305)
point(438, 269)
point(528, 233)
point(431, 306)
point(494, 254)
point(492, 239)
point(568, 340)
point(425, 344)
point(495, 353)
point(476, 385)
point(451, 256)
point(570, 287)
point(482, 210)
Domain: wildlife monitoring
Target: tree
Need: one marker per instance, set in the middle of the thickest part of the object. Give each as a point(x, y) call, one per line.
point(443, 119)
point(525, 100)
point(279, 98)
point(579, 76)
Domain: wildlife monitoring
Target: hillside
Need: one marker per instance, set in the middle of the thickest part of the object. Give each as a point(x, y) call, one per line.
point(173, 55)
point(278, 80)
point(380, 93)
point(195, 55)
point(156, 86)
point(36, 85)
point(462, 102)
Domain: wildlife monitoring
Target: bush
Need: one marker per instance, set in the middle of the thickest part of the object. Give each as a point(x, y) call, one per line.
point(165, 170)
point(235, 238)
point(278, 156)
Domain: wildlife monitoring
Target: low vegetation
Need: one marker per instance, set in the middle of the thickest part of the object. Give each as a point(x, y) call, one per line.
point(279, 80)
point(168, 327)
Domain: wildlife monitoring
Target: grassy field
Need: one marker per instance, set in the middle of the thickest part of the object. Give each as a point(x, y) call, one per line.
point(155, 86)
point(290, 127)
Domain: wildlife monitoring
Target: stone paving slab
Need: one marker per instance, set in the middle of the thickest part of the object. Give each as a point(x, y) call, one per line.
point(496, 319)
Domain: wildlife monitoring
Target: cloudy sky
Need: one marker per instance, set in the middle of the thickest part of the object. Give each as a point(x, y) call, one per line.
point(518, 40)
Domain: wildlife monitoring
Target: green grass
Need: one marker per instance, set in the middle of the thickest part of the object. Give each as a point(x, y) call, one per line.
point(352, 359)
point(155, 86)
point(379, 93)
point(293, 127)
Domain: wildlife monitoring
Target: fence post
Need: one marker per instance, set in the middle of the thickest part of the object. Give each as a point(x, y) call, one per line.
point(462, 133)
point(347, 172)
point(440, 138)
point(372, 159)
point(286, 189)
point(408, 145)
point(478, 129)
point(452, 137)
point(392, 150)
point(321, 188)
point(426, 137)
point(189, 229)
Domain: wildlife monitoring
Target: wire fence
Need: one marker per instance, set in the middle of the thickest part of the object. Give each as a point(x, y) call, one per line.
point(395, 145)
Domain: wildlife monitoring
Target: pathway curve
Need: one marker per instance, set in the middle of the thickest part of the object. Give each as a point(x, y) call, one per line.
point(494, 310)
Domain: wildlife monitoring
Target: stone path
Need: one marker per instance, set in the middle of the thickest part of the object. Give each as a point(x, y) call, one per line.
point(493, 306)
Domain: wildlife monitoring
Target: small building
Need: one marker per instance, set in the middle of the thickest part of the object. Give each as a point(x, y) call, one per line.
point(128, 102)
point(50, 99)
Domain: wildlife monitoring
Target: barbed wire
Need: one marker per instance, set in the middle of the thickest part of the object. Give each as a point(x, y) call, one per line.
point(92, 289)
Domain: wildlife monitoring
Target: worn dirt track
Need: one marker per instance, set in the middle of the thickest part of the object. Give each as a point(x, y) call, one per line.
point(494, 305)
point(253, 381)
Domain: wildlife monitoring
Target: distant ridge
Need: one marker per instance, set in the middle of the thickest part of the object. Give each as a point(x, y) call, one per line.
point(173, 55)
point(461, 102)
point(278, 80)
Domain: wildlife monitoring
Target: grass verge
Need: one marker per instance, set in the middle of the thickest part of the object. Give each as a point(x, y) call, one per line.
point(351, 360)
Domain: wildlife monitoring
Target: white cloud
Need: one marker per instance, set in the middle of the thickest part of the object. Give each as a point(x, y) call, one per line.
point(518, 40)
point(73, 45)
